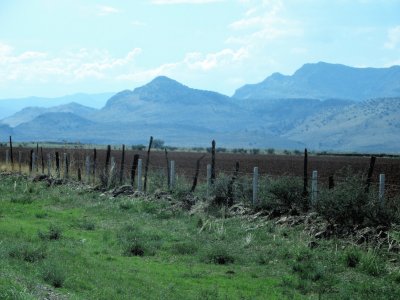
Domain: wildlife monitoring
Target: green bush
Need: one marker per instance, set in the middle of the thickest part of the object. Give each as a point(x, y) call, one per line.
point(54, 233)
point(53, 274)
point(347, 204)
point(27, 252)
point(218, 254)
point(283, 194)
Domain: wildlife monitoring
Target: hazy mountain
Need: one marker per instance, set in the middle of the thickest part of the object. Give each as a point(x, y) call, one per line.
point(11, 106)
point(29, 113)
point(372, 125)
point(183, 116)
point(5, 131)
point(55, 126)
point(326, 81)
point(164, 99)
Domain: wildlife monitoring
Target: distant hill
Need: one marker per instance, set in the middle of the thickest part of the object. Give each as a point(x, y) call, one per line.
point(183, 116)
point(29, 113)
point(369, 126)
point(326, 81)
point(9, 107)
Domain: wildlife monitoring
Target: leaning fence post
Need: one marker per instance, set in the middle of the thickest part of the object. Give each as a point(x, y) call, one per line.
point(48, 164)
point(139, 174)
point(255, 185)
point(370, 171)
point(382, 189)
point(208, 179)
point(31, 162)
point(172, 175)
point(314, 187)
point(147, 164)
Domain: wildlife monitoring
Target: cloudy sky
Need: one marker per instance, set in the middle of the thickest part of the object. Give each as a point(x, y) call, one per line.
point(53, 48)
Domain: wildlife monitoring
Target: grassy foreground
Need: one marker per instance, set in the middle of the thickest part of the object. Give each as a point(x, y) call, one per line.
point(67, 242)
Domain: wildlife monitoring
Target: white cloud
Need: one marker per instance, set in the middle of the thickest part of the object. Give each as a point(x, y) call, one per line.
point(163, 2)
point(262, 22)
point(65, 67)
point(192, 62)
point(104, 10)
point(393, 38)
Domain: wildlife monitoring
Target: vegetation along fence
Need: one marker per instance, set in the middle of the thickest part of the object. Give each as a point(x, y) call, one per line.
point(111, 168)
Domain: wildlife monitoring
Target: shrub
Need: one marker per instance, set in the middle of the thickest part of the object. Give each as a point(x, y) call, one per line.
point(27, 252)
point(218, 254)
point(53, 274)
point(54, 233)
point(184, 248)
point(352, 257)
point(284, 194)
point(348, 204)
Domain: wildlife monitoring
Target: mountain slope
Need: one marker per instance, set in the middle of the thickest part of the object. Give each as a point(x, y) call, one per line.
point(325, 81)
point(29, 113)
point(11, 106)
point(372, 125)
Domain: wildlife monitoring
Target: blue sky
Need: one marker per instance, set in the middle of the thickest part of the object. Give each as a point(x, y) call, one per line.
point(53, 48)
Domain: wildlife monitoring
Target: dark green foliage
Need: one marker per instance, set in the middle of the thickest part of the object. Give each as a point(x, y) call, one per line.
point(53, 274)
point(352, 257)
point(54, 233)
point(22, 198)
point(347, 204)
point(184, 248)
point(285, 193)
point(28, 252)
point(218, 254)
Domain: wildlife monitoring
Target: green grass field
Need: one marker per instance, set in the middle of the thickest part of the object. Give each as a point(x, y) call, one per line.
point(68, 242)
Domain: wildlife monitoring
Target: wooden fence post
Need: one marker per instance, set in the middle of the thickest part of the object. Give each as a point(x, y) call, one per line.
point(231, 183)
point(11, 155)
point(196, 175)
point(213, 162)
point(31, 162)
point(382, 189)
point(370, 171)
point(58, 173)
point(305, 174)
point(147, 164)
point(331, 184)
point(139, 175)
point(121, 171)
point(255, 186)
point(172, 175)
point(314, 187)
point(134, 167)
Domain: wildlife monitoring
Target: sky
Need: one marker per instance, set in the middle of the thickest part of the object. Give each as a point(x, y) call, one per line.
point(52, 48)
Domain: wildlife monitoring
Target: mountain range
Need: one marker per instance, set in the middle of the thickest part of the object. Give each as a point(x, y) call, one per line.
point(321, 106)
